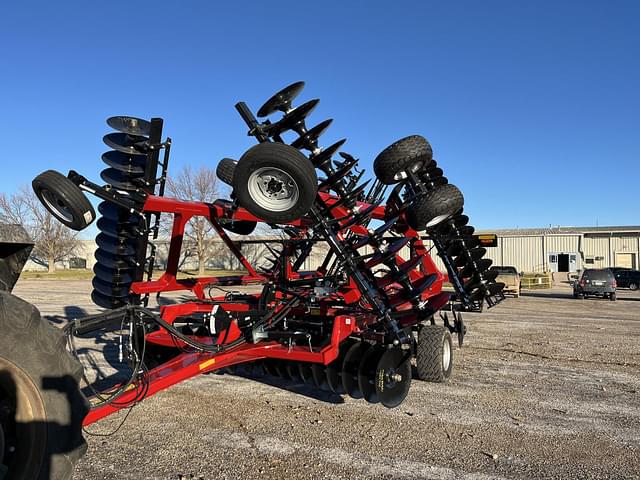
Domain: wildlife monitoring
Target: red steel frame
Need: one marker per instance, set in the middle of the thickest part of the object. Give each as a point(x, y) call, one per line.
point(187, 364)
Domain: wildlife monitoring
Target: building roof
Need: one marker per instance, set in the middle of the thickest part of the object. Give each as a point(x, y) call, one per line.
point(558, 230)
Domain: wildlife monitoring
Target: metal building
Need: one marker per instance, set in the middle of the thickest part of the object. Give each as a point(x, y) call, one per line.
point(567, 249)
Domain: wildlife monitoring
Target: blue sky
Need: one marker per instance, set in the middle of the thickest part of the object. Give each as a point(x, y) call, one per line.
point(532, 108)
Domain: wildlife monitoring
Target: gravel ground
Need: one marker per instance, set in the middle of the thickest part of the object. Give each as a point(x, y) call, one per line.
point(545, 387)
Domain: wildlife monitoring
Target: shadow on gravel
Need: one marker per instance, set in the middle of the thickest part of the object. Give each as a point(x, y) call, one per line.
point(95, 351)
point(541, 294)
point(290, 386)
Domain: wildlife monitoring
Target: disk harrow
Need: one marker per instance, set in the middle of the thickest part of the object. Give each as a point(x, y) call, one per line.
point(355, 326)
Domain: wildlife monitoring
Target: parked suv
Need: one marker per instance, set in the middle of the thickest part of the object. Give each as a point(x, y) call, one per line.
point(595, 282)
point(627, 279)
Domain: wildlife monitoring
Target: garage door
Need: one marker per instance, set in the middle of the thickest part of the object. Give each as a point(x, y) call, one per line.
point(626, 260)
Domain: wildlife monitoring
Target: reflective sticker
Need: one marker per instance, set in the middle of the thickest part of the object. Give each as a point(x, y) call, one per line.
point(208, 363)
point(88, 216)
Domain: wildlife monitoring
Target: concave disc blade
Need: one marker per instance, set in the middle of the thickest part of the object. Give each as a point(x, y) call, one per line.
point(293, 371)
point(326, 153)
point(125, 143)
point(339, 174)
point(126, 163)
point(110, 260)
point(473, 254)
point(350, 368)
point(270, 368)
point(116, 277)
point(334, 369)
point(456, 246)
point(390, 252)
point(119, 229)
point(495, 288)
point(291, 118)
point(281, 368)
point(306, 374)
point(475, 267)
point(319, 376)
point(130, 125)
point(311, 135)
point(393, 377)
point(453, 223)
point(118, 179)
point(111, 245)
point(114, 212)
point(367, 373)
point(106, 301)
point(281, 100)
point(109, 289)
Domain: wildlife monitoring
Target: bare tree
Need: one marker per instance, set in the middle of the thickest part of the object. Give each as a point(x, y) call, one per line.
point(199, 186)
point(53, 241)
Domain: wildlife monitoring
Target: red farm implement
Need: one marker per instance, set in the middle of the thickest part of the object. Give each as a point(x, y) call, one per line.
point(354, 326)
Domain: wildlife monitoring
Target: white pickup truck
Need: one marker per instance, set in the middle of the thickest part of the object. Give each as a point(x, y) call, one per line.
point(511, 279)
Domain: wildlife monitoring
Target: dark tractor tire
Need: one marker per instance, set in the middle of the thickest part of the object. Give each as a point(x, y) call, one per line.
point(275, 182)
point(410, 153)
point(225, 169)
point(434, 354)
point(239, 227)
point(41, 406)
point(435, 207)
point(612, 297)
point(63, 199)
point(633, 286)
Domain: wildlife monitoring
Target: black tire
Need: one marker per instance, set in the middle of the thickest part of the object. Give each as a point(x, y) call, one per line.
point(63, 199)
point(292, 165)
point(633, 286)
point(434, 344)
point(612, 296)
point(225, 169)
point(413, 152)
point(435, 207)
point(39, 380)
point(240, 227)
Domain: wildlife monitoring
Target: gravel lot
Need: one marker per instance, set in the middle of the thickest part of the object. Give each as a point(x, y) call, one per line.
point(545, 387)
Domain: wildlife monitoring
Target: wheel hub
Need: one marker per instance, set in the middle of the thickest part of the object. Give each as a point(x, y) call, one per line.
point(273, 189)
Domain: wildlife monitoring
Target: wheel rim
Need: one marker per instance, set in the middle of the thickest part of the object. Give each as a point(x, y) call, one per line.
point(22, 423)
point(437, 220)
point(56, 205)
point(633, 286)
point(273, 189)
point(401, 175)
point(446, 355)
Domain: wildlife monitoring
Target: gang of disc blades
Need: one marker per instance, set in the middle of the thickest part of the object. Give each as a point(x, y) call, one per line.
point(350, 368)
point(125, 162)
